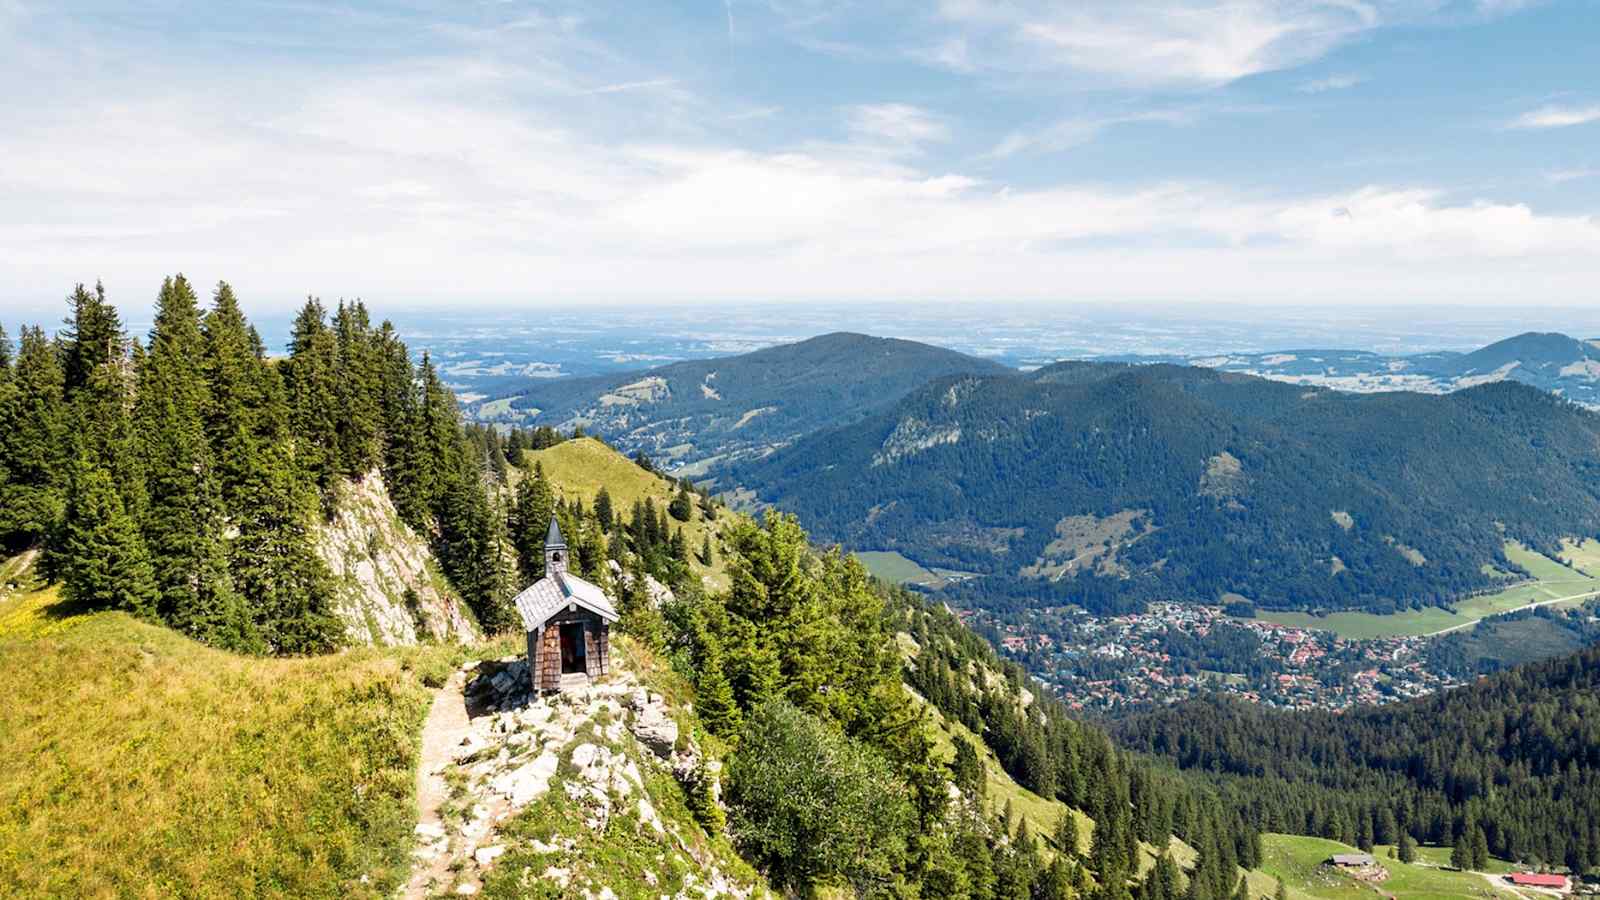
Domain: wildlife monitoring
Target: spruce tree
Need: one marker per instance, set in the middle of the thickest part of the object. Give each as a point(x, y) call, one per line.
point(235, 396)
point(99, 553)
point(639, 616)
point(103, 427)
point(1067, 834)
point(1480, 849)
point(706, 558)
point(92, 336)
point(184, 526)
point(1407, 849)
point(356, 384)
point(714, 695)
point(531, 508)
point(310, 374)
point(1461, 853)
point(33, 440)
point(681, 507)
point(603, 512)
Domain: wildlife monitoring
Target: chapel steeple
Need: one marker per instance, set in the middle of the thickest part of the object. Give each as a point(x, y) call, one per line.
point(555, 550)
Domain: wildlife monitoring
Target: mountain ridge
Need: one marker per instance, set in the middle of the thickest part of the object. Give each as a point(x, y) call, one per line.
point(697, 413)
point(1221, 461)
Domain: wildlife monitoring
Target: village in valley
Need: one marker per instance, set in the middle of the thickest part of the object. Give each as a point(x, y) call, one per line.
point(1174, 651)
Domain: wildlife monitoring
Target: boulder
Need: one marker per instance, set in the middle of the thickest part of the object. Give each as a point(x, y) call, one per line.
point(655, 729)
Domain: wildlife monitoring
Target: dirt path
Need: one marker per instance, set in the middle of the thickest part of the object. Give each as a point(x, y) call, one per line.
point(442, 733)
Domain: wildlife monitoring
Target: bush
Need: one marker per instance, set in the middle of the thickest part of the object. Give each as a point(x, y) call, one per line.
point(814, 808)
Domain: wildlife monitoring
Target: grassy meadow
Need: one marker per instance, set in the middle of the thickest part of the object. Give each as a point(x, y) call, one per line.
point(579, 468)
point(895, 568)
point(1552, 581)
point(1298, 862)
point(142, 764)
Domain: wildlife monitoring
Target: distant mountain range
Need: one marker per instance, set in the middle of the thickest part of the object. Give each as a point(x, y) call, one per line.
point(1102, 484)
point(1554, 362)
point(691, 415)
point(1107, 481)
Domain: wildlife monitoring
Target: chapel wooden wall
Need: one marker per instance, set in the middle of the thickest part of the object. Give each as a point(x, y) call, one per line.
point(544, 648)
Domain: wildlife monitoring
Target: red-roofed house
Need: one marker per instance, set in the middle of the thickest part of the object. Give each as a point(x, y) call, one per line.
point(1534, 879)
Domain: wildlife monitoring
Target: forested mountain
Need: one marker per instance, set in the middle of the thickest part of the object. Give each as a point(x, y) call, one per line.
point(182, 478)
point(719, 408)
point(1104, 485)
point(1516, 755)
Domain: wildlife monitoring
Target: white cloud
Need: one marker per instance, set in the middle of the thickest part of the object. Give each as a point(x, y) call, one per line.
point(1178, 43)
point(468, 179)
point(897, 123)
point(1201, 42)
point(1556, 117)
point(1331, 83)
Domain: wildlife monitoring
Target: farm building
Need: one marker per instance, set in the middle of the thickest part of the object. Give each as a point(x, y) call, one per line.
point(568, 623)
point(1535, 879)
point(1353, 860)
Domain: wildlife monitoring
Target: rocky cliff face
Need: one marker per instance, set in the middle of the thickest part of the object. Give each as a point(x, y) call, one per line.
point(389, 588)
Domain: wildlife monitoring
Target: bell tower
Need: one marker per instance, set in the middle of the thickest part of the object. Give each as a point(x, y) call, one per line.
point(555, 550)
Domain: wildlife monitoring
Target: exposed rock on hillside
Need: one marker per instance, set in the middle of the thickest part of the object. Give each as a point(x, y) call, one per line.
point(576, 793)
point(389, 591)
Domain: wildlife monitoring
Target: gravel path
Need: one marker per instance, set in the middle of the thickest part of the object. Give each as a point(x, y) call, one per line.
point(443, 732)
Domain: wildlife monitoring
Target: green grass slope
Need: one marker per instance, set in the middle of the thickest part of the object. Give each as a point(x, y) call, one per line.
point(1298, 861)
point(140, 763)
point(581, 467)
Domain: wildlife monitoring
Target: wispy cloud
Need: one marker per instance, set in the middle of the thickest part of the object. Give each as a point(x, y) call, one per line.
point(1067, 133)
point(1562, 176)
point(897, 123)
point(1331, 83)
point(1180, 42)
point(625, 86)
point(1556, 117)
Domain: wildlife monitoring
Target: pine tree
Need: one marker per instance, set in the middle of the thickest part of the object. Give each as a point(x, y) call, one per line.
point(234, 399)
point(310, 374)
point(714, 695)
point(398, 408)
point(603, 512)
point(1461, 853)
point(531, 508)
point(99, 552)
point(706, 558)
point(103, 428)
point(681, 507)
point(1480, 849)
point(92, 336)
point(33, 438)
point(1407, 850)
point(639, 616)
point(358, 375)
point(184, 526)
point(1067, 834)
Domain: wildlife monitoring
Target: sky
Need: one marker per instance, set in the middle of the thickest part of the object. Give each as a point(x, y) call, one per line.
point(506, 154)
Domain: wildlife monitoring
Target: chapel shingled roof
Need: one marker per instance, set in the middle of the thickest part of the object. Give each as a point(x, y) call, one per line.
point(553, 593)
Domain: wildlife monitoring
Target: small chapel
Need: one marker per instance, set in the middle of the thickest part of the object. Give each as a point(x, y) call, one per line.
point(568, 623)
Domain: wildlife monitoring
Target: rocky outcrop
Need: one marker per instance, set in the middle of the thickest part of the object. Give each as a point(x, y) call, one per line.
point(577, 792)
point(389, 590)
